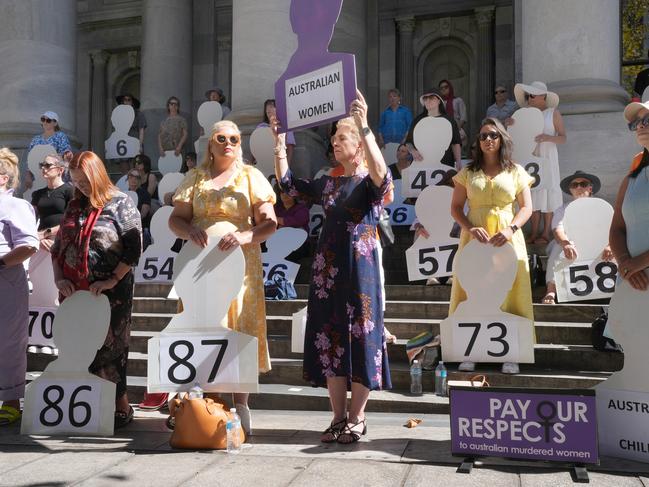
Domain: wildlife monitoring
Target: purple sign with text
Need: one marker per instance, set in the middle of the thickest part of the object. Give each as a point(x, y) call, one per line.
point(318, 86)
point(552, 425)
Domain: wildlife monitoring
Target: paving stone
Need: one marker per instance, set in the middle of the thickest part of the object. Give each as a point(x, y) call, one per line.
point(11, 460)
point(563, 478)
point(351, 473)
point(426, 475)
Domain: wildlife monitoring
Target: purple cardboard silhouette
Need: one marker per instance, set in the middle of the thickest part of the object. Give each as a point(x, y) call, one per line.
point(318, 86)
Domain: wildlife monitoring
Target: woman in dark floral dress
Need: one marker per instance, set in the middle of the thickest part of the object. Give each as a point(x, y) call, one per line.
point(97, 246)
point(344, 347)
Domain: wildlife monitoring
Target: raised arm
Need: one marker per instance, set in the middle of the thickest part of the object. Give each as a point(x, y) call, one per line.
point(375, 162)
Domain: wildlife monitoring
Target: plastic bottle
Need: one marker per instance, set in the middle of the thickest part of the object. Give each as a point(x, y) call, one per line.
point(233, 428)
point(196, 392)
point(415, 378)
point(440, 379)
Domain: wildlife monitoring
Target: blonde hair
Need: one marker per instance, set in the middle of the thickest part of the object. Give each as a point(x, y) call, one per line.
point(9, 167)
point(207, 158)
point(351, 125)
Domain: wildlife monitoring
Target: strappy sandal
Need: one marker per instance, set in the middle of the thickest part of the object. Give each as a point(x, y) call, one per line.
point(122, 418)
point(334, 429)
point(9, 415)
point(354, 435)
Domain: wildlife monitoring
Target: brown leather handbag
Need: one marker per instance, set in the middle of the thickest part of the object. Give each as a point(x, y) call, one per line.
point(200, 424)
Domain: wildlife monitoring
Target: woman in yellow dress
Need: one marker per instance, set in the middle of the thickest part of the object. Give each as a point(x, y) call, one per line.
point(224, 189)
point(492, 184)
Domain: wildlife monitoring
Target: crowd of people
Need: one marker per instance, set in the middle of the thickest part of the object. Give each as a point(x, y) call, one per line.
point(94, 231)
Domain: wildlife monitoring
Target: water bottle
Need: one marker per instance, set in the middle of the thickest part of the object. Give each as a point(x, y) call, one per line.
point(415, 378)
point(440, 379)
point(196, 392)
point(233, 428)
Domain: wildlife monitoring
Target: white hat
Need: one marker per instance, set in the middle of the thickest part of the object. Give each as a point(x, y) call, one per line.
point(632, 109)
point(536, 88)
point(51, 115)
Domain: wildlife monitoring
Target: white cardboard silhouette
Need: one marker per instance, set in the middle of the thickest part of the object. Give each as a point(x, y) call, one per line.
point(400, 212)
point(156, 263)
point(262, 145)
point(528, 123)
point(298, 330)
point(169, 183)
point(389, 152)
point(34, 158)
point(622, 398)
point(80, 330)
point(207, 280)
point(208, 114)
point(43, 300)
point(432, 136)
point(279, 245)
point(433, 256)
point(478, 325)
point(120, 145)
point(586, 223)
point(170, 162)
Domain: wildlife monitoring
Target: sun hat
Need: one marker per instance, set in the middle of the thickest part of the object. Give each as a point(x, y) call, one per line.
point(120, 100)
point(216, 90)
point(594, 180)
point(51, 115)
point(535, 88)
point(430, 92)
point(632, 109)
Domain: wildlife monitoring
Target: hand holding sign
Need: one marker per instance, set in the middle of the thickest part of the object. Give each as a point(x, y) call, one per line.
point(120, 145)
point(478, 330)
point(528, 123)
point(318, 86)
point(195, 346)
point(433, 256)
point(66, 399)
point(432, 136)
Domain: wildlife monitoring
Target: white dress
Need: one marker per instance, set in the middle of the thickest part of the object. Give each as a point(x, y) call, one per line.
point(547, 196)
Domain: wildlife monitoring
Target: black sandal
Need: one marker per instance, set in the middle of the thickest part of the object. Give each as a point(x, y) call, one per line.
point(334, 429)
point(348, 431)
point(123, 418)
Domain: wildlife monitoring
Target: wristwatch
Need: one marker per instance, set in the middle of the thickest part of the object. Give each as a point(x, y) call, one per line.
point(366, 131)
point(514, 227)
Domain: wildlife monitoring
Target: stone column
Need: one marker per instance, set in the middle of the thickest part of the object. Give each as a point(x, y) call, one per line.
point(406, 63)
point(575, 48)
point(166, 64)
point(485, 81)
point(37, 67)
point(262, 44)
point(98, 119)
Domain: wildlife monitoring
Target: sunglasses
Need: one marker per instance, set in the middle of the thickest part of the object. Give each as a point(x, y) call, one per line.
point(233, 139)
point(173, 103)
point(443, 87)
point(46, 120)
point(488, 135)
point(500, 92)
point(46, 165)
point(644, 121)
point(580, 184)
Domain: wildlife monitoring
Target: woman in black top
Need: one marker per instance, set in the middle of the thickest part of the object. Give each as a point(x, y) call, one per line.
point(433, 105)
point(50, 202)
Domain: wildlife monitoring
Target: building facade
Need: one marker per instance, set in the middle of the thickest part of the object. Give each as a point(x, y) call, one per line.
point(75, 56)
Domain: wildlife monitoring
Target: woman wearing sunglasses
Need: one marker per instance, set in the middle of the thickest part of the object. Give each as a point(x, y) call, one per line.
point(493, 184)
point(52, 135)
point(224, 189)
point(578, 185)
point(173, 129)
point(629, 236)
point(50, 202)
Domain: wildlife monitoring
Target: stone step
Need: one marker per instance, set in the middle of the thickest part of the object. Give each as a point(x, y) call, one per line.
point(582, 313)
point(146, 290)
point(154, 305)
point(564, 333)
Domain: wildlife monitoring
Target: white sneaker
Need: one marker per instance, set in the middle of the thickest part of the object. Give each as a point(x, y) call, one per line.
point(246, 420)
point(32, 349)
point(47, 350)
point(432, 281)
point(466, 367)
point(510, 368)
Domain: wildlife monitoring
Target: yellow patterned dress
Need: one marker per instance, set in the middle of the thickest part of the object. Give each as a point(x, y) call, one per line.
point(491, 206)
point(234, 203)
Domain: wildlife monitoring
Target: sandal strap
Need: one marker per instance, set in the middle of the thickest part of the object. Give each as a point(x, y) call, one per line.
point(350, 432)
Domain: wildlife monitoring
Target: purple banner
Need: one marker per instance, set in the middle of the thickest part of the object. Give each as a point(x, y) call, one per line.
point(521, 423)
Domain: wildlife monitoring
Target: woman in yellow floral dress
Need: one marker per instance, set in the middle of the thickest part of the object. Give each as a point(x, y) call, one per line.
point(224, 189)
point(492, 184)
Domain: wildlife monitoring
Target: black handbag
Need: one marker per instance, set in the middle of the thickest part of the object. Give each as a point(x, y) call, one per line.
point(385, 230)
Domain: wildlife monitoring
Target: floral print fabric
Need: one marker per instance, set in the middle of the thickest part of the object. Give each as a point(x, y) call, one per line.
point(344, 329)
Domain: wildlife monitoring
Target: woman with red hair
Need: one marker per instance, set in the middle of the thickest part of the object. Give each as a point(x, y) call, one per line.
point(96, 248)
